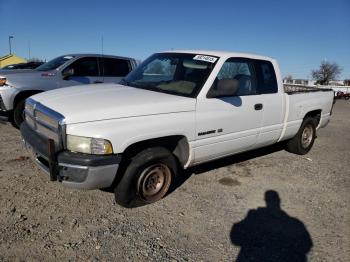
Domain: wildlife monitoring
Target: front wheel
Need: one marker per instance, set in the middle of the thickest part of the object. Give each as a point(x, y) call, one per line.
point(147, 178)
point(304, 139)
point(17, 118)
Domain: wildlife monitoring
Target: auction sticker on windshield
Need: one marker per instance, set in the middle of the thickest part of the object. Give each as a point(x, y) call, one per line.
point(206, 58)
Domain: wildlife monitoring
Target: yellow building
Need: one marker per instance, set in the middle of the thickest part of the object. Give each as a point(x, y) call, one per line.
point(11, 59)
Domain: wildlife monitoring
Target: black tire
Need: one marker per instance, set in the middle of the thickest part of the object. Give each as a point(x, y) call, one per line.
point(17, 117)
point(347, 98)
point(141, 179)
point(303, 141)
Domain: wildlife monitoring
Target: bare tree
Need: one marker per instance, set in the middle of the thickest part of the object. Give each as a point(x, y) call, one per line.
point(288, 79)
point(347, 82)
point(35, 59)
point(328, 71)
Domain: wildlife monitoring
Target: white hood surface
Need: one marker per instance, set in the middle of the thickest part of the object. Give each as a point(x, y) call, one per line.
point(86, 103)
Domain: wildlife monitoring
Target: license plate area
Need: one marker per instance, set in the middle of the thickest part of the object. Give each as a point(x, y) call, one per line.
point(49, 165)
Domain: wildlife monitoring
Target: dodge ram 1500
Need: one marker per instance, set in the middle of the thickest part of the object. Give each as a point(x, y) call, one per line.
point(175, 110)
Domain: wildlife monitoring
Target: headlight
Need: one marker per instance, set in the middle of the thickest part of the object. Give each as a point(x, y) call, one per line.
point(88, 145)
point(2, 81)
point(29, 108)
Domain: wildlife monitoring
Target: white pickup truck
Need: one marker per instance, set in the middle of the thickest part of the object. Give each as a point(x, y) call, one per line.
point(177, 109)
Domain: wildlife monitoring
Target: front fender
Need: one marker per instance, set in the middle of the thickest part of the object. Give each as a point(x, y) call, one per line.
point(124, 132)
point(8, 95)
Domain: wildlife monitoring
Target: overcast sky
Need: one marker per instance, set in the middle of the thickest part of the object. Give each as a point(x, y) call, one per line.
point(299, 33)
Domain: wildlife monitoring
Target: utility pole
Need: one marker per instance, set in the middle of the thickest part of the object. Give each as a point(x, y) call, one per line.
point(102, 44)
point(10, 37)
point(28, 49)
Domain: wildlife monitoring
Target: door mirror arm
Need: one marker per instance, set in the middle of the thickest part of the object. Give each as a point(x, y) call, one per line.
point(67, 73)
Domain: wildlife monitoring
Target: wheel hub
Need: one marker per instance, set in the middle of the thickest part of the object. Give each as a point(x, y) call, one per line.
point(154, 182)
point(307, 136)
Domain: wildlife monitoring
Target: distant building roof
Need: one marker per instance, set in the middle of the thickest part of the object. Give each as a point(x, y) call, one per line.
point(11, 59)
point(5, 57)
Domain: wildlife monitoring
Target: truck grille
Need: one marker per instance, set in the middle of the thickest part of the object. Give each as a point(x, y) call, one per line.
point(2, 105)
point(45, 121)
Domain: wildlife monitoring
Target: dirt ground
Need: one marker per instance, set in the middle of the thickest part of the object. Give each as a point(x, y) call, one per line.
point(217, 213)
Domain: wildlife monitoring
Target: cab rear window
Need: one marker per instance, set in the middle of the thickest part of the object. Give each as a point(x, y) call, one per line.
point(114, 67)
point(267, 82)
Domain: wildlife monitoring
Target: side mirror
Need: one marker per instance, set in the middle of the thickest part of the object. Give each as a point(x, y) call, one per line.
point(224, 87)
point(67, 73)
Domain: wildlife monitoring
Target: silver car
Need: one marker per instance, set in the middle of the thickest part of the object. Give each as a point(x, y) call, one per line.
point(63, 71)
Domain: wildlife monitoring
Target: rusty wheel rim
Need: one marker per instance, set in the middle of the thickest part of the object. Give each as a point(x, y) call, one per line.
point(306, 136)
point(154, 182)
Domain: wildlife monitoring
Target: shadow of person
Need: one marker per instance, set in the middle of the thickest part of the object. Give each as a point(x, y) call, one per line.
point(270, 234)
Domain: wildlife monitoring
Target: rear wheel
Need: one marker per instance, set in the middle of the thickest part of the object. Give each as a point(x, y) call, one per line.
point(304, 139)
point(147, 178)
point(17, 118)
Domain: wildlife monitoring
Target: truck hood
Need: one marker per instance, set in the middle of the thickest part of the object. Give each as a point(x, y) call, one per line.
point(86, 103)
point(4, 72)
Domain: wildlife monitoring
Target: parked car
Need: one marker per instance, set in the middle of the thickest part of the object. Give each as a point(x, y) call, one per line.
point(63, 71)
point(176, 110)
point(19, 68)
point(340, 95)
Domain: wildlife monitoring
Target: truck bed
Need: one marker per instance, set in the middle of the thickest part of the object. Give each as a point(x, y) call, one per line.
point(301, 100)
point(295, 89)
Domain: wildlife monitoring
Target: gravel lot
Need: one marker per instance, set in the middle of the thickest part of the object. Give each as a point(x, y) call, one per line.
point(43, 221)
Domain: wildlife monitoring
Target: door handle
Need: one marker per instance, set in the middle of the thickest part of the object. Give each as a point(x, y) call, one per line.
point(258, 106)
point(98, 82)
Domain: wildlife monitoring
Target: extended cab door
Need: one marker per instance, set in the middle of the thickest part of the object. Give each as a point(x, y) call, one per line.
point(273, 103)
point(114, 69)
point(82, 71)
point(229, 125)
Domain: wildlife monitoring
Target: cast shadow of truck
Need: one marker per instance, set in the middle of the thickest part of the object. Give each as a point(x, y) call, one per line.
point(184, 175)
point(226, 161)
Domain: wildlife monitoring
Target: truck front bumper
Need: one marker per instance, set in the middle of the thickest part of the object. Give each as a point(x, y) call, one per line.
point(4, 115)
point(7, 96)
point(75, 170)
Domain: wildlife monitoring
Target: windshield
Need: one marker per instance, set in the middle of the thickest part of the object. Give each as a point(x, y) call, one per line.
point(54, 63)
point(173, 73)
